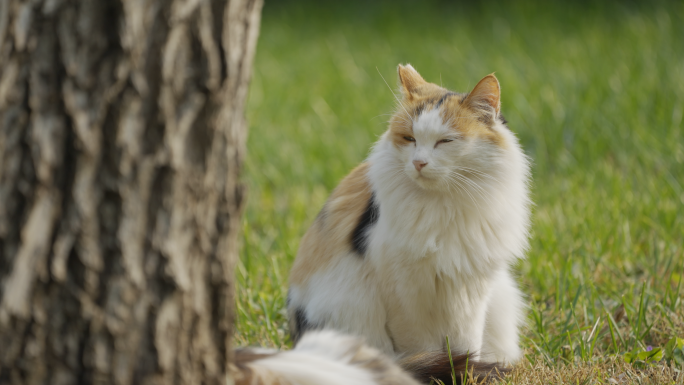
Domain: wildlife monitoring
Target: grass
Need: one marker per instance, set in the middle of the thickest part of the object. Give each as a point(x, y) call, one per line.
point(595, 92)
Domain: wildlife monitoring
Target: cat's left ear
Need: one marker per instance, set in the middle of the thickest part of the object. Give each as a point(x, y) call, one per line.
point(486, 95)
point(410, 81)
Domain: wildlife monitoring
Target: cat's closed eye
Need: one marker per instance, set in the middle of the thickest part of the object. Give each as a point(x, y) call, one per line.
point(443, 141)
point(409, 138)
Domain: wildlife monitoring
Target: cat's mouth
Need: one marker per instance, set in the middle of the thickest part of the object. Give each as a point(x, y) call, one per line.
point(425, 174)
point(424, 181)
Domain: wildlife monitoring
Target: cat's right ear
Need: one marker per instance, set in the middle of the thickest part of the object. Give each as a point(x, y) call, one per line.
point(486, 96)
point(410, 80)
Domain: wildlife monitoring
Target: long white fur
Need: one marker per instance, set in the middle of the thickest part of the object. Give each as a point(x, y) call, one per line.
point(439, 256)
point(327, 357)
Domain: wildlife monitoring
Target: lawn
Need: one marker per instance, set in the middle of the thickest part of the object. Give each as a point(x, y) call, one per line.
point(595, 92)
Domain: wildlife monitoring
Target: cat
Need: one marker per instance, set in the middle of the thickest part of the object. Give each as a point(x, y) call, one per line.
point(328, 357)
point(417, 243)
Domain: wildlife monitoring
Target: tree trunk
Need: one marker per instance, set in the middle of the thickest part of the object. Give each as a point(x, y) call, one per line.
point(121, 138)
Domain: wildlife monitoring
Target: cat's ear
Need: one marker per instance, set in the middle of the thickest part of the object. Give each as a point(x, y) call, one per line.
point(486, 96)
point(410, 80)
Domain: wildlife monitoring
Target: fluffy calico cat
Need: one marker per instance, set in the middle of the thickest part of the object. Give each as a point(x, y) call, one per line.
point(416, 243)
point(327, 357)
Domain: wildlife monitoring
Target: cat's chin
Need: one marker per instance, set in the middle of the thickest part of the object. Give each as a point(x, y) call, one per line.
point(426, 183)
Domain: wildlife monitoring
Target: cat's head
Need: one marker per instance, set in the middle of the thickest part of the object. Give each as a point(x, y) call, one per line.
point(448, 140)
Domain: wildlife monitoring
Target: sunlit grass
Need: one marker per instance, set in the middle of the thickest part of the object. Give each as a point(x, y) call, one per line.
point(594, 92)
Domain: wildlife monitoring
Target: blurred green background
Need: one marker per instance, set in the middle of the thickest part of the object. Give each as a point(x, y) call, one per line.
point(595, 92)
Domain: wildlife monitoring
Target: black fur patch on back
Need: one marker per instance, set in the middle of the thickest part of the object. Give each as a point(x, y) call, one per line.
point(359, 240)
point(301, 325)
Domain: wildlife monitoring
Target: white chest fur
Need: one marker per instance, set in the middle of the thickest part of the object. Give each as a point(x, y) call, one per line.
point(429, 286)
point(441, 260)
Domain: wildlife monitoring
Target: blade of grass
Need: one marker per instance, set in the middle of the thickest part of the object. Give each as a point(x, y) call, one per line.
point(451, 361)
point(614, 327)
point(597, 326)
point(640, 315)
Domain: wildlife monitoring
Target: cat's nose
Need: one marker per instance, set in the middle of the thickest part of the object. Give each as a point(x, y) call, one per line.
point(419, 164)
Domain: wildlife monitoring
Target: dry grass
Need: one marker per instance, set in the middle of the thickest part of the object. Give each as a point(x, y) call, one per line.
point(605, 371)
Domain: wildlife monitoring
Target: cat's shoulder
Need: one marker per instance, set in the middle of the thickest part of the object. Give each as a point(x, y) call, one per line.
point(333, 233)
point(350, 196)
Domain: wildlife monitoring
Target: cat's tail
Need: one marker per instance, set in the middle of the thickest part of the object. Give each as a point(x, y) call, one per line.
point(320, 357)
point(327, 357)
point(437, 365)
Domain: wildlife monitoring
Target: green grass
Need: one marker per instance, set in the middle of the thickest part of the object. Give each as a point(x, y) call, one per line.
point(594, 92)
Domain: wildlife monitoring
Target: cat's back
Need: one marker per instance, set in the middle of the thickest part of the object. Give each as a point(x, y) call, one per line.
point(331, 285)
point(339, 228)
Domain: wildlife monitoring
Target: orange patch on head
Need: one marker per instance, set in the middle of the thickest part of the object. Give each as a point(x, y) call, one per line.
point(477, 113)
point(419, 96)
point(472, 115)
point(330, 235)
point(471, 123)
point(401, 128)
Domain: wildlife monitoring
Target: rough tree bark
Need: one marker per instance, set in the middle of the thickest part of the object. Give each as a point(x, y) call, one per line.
point(121, 137)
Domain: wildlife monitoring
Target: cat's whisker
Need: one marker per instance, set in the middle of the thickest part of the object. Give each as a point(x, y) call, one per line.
point(412, 117)
point(394, 173)
point(404, 119)
point(468, 183)
point(478, 173)
point(482, 192)
point(377, 116)
point(451, 183)
point(460, 189)
point(466, 190)
point(454, 188)
point(472, 169)
point(479, 187)
point(395, 95)
point(478, 190)
point(479, 177)
point(489, 197)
